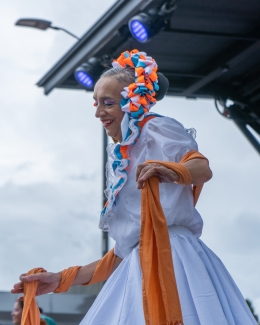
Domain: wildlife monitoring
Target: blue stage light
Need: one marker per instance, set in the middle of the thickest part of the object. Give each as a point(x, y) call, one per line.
point(145, 25)
point(88, 73)
point(84, 79)
point(138, 30)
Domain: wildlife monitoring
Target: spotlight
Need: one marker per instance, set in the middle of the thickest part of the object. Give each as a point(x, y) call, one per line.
point(88, 73)
point(146, 25)
point(82, 76)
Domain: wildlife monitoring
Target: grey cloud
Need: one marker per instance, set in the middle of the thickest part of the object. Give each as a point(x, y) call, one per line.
point(24, 166)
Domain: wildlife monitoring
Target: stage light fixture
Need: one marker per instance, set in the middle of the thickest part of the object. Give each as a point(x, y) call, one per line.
point(83, 77)
point(144, 26)
point(88, 73)
point(138, 29)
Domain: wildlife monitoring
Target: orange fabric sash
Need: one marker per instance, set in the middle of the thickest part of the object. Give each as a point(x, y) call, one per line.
point(101, 273)
point(104, 268)
point(196, 189)
point(67, 278)
point(31, 313)
point(160, 294)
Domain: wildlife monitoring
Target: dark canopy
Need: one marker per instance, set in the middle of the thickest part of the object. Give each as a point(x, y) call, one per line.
point(209, 49)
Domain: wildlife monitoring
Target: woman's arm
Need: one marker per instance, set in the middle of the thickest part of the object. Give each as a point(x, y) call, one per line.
point(198, 168)
point(85, 273)
point(199, 171)
point(48, 281)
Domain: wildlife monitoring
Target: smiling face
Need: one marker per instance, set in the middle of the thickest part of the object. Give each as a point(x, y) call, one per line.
point(17, 313)
point(107, 101)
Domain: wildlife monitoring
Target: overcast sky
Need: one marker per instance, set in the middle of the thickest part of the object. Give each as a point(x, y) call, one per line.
point(50, 158)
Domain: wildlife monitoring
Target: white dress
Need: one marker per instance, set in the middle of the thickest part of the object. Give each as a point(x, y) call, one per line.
point(208, 295)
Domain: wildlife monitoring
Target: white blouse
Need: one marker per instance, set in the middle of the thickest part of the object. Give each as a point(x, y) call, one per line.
point(162, 138)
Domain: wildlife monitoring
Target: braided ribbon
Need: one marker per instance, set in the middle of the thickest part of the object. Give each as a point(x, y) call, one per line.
point(137, 100)
point(138, 96)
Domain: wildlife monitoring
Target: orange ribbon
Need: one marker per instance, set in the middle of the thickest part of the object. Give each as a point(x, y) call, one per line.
point(104, 268)
point(161, 301)
point(67, 278)
point(31, 313)
point(101, 273)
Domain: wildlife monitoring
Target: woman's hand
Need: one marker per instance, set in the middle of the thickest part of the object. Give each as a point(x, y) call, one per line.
point(145, 171)
point(198, 168)
point(47, 282)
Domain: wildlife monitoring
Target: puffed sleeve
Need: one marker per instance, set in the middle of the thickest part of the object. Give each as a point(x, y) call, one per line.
point(167, 139)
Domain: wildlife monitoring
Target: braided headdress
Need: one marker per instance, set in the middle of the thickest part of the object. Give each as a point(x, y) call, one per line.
point(138, 96)
point(137, 100)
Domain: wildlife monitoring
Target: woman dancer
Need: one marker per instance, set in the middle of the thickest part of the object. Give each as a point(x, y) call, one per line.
point(155, 277)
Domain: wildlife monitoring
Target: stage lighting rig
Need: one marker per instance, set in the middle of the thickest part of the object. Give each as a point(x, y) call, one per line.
point(144, 26)
point(88, 73)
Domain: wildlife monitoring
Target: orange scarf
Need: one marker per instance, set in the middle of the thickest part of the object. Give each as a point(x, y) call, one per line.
point(101, 273)
point(160, 294)
point(31, 313)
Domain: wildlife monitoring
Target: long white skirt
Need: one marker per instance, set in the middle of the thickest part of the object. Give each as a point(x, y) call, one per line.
point(208, 294)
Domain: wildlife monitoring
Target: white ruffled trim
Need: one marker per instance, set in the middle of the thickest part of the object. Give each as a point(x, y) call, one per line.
point(114, 176)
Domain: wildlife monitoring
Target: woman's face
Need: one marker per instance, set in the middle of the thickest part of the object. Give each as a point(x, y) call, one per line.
point(17, 313)
point(107, 101)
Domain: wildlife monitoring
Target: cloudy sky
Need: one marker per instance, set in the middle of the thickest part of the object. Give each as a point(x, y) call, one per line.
point(50, 158)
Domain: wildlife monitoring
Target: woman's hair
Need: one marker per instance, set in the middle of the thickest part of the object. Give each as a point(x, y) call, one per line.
point(20, 303)
point(123, 75)
point(126, 76)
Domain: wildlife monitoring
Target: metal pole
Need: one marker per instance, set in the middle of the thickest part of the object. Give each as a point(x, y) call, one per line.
point(249, 135)
point(66, 31)
point(104, 233)
point(241, 121)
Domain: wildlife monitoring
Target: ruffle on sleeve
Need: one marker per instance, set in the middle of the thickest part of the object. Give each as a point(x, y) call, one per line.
point(167, 139)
